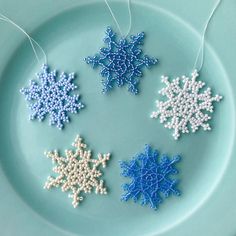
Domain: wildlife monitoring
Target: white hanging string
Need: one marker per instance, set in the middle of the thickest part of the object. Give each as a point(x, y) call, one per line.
point(31, 40)
point(200, 54)
point(116, 21)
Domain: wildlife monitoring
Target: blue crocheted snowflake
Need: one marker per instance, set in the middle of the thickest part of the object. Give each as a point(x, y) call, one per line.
point(150, 176)
point(52, 96)
point(121, 61)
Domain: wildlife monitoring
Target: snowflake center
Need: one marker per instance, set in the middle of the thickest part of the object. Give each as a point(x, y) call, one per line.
point(121, 64)
point(185, 104)
point(150, 180)
point(54, 96)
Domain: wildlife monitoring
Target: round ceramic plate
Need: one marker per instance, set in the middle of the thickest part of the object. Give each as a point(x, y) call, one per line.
point(117, 122)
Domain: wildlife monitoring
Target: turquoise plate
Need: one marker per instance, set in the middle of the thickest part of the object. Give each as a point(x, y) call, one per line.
point(118, 122)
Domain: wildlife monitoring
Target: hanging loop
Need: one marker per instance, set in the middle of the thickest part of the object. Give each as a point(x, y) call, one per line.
point(31, 40)
point(116, 21)
point(200, 55)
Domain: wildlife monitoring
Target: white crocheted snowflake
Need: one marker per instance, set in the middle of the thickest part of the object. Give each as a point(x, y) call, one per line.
point(186, 106)
point(77, 172)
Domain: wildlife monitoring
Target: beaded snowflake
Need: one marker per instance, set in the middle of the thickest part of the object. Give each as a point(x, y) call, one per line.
point(121, 61)
point(52, 96)
point(186, 106)
point(77, 172)
point(150, 176)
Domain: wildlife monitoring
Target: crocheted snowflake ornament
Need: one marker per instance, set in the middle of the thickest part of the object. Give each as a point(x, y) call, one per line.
point(52, 96)
point(77, 172)
point(186, 106)
point(150, 176)
point(121, 61)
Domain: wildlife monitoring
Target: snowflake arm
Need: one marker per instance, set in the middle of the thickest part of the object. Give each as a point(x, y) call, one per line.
point(186, 107)
point(77, 172)
point(150, 177)
point(121, 61)
point(50, 96)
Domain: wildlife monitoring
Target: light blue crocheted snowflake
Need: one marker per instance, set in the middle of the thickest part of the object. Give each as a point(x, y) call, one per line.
point(52, 96)
point(150, 176)
point(121, 61)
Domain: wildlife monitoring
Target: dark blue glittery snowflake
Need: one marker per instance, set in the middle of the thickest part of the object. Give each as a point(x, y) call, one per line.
point(121, 61)
point(150, 176)
point(52, 96)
